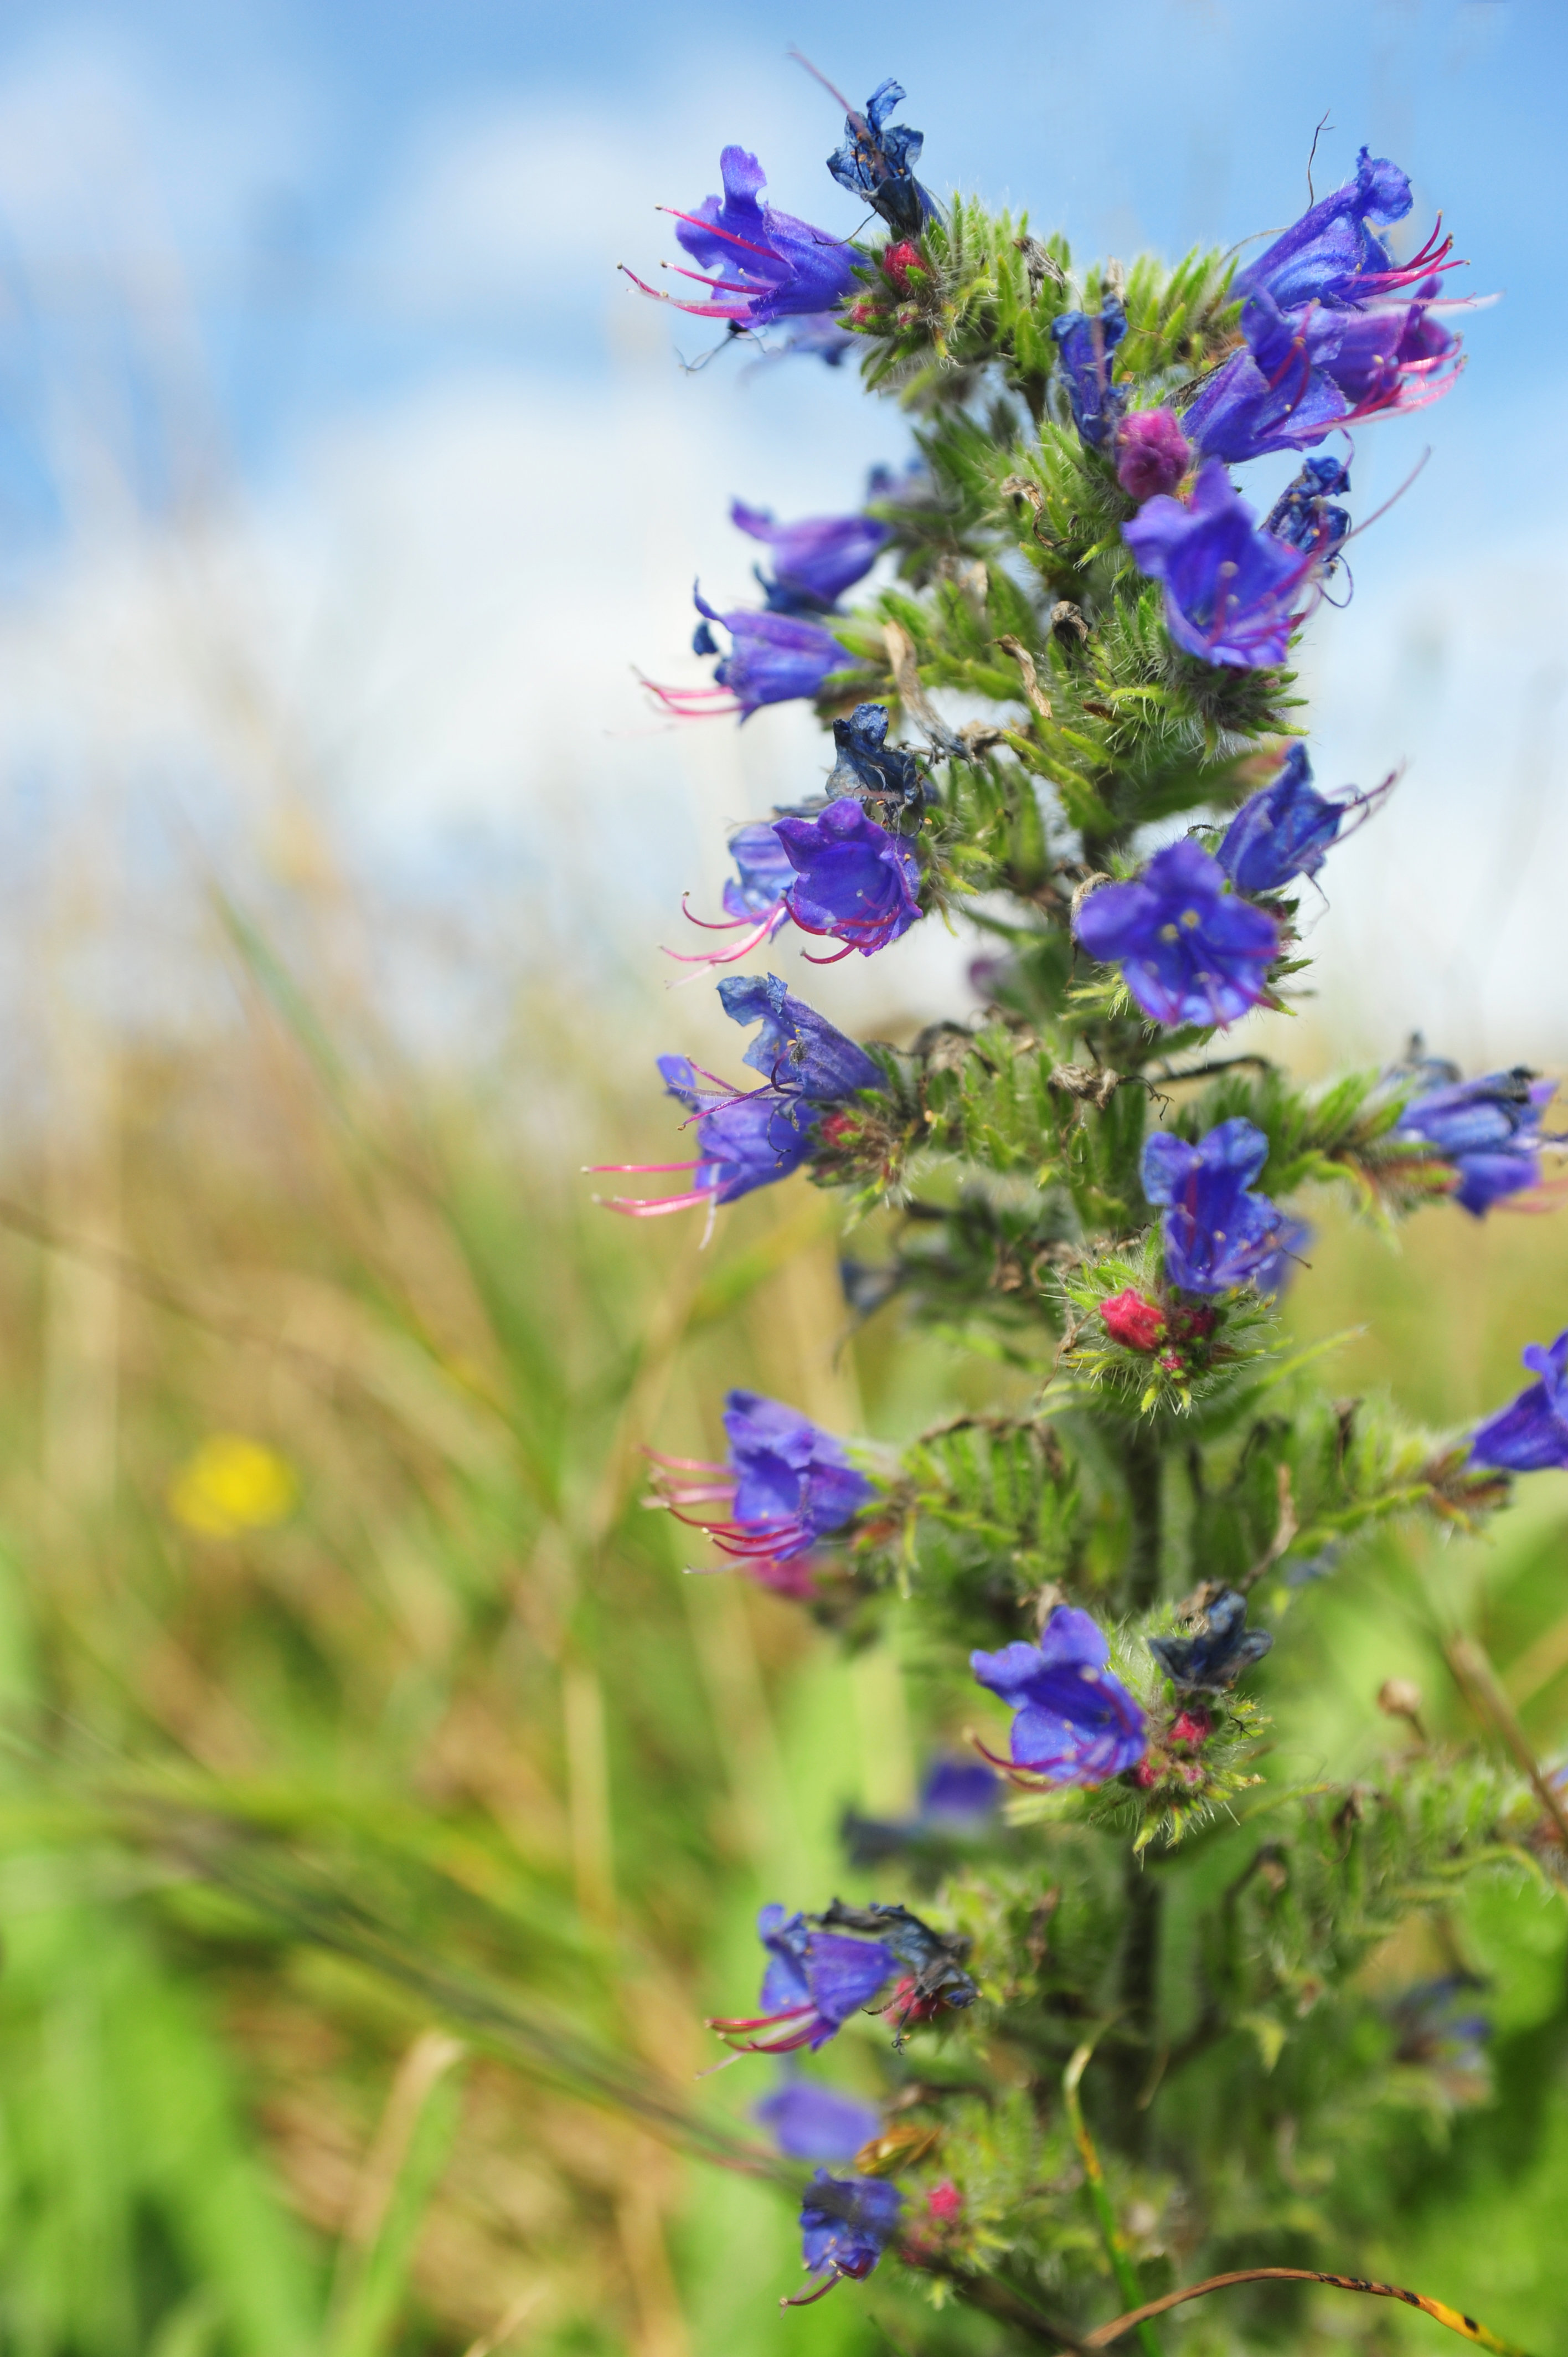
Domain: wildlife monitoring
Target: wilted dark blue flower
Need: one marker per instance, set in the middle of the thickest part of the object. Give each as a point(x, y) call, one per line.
point(877, 162)
point(1331, 255)
point(786, 1487)
point(1085, 343)
point(814, 1981)
point(769, 265)
point(814, 561)
point(1189, 949)
point(798, 1051)
point(854, 881)
point(1217, 1234)
point(1285, 830)
point(1229, 587)
point(1215, 1658)
point(847, 2223)
point(867, 765)
point(1303, 515)
point(1489, 1129)
point(811, 2123)
point(1531, 1435)
point(821, 336)
point(1076, 1723)
point(773, 658)
point(1153, 454)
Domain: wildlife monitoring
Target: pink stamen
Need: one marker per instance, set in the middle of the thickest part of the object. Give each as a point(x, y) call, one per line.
point(712, 229)
point(636, 1209)
point(697, 310)
point(809, 2299)
point(838, 955)
point(760, 933)
point(686, 1464)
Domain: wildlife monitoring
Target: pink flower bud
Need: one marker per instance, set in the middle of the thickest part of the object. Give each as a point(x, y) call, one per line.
point(1153, 454)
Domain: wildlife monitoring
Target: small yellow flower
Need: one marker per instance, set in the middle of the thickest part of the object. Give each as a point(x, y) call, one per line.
point(231, 1484)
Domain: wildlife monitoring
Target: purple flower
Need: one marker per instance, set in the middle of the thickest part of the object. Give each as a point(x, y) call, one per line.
point(1229, 587)
point(748, 1138)
point(1303, 515)
point(1189, 949)
point(773, 658)
point(810, 2122)
point(868, 767)
point(1531, 1435)
point(794, 1483)
point(877, 160)
point(1153, 454)
point(1213, 1659)
point(1085, 345)
point(847, 2223)
point(1272, 394)
point(768, 265)
point(1076, 1723)
point(1217, 1234)
point(786, 1487)
point(1304, 373)
point(854, 881)
point(1489, 1129)
point(754, 899)
point(814, 561)
point(814, 1981)
point(1285, 829)
point(1392, 357)
point(798, 1051)
point(1331, 255)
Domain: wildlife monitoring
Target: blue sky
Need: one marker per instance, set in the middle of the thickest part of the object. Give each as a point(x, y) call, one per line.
point(315, 368)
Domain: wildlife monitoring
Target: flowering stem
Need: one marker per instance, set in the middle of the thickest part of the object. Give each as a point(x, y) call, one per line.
point(1143, 1469)
point(1110, 2233)
point(1478, 1682)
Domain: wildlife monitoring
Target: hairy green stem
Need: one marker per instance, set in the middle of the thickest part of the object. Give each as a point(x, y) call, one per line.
point(1143, 1469)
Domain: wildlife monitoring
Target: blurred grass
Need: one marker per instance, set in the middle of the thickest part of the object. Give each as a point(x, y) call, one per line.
point(322, 1391)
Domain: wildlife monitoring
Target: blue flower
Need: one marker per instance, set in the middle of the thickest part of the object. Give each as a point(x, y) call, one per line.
point(847, 2223)
point(814, 561)
point(878, 160)
point(1285, 829)
point(1489, 1129)
point(1215, 1658)
point(798, 1051)
point(1229, 587)
point(769, 265)
point(814, 1981)
point(1085, 345)
point(1532, 1435)
point(867, 765)
point(1076, 1723)
point(1438, 2029)
point(1391, 359)
point(810, 2122)
point(1302, 516)
point(773, 659)
point(1217, 1234)
point(1189, 949)
point(854, 881)
point(1331, 255)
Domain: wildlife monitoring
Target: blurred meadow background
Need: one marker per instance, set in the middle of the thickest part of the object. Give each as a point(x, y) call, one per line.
point(374, 1789)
